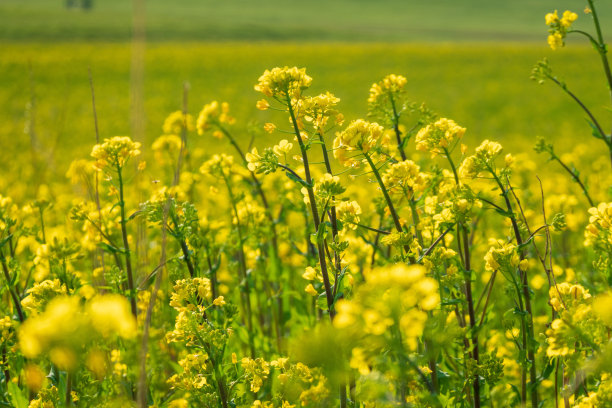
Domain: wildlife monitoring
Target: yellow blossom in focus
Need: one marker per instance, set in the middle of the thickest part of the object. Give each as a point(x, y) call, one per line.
point(114, 152)
point(439, 136)
point(283, 82)
point(359, 136)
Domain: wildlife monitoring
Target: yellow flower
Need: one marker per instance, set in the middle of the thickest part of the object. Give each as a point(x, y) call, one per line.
point(34, 377)
point(270, 127)
point(404, 179)
point(439, 136)
point(176, 122)
point(311, 290)
point(213, 114)
point(220, 301)
point(114, 152)
point(348, 213)
point(110, 314)
point(310, 273)
point(318, 109)
point(262, 104)
point(358, 136)
point(283, 82)
point(551, 18)
point(555, 41)
point(568, 18)
point(391, 84)
point(253, 159)
point(283, 147)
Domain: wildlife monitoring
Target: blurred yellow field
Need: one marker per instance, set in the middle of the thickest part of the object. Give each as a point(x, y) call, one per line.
point(313, 224)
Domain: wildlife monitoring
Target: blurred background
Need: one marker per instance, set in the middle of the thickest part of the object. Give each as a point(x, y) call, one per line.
point(469, 60)
point(284, 20)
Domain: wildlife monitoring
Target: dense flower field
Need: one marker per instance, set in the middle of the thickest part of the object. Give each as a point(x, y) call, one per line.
point(380, 262)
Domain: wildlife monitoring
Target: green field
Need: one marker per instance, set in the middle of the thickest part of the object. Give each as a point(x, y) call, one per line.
point(481, 80)
point(290, 20)
point(486, 88)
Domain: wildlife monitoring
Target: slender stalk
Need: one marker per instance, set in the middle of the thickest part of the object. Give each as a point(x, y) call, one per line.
point(14, 296)
point(398, 134)
point(603, 50)
point(126, 246)
point(329, 293)
point(96, 175)
point(268, 212)
point(68, 396)
point(332, 215)
point(584, 108)
point(468, 288)
point(242, 268)
point(525, 291)
point(315, 213)
point(576, 179)
point(392, 210)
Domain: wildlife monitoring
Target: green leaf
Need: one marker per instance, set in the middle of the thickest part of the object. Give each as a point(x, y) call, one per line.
point(322, 301)
point(596, 133)
point(19, 400)
point(110, 248)
point(297, 179)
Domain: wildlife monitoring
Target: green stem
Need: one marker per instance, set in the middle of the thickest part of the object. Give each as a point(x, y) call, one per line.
point(315, 213)
point(602, 47)
point(242, 268)
point(126, 247)
point(392, 210)
point(398, 134)
point(576, 179)
point(468, 288)
point(11, 289)
point(528, 342)
point(320, 244)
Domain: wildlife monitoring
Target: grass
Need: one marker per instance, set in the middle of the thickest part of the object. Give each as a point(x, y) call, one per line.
point(289, 20)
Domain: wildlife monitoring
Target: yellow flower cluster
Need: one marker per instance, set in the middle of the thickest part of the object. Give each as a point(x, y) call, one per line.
point(599, 399)
point(598, 232)
point(348, 213)
point(66, 326)
point(166, 146)
point(7, 329)
point(438, 137)
point(42, 293)
point(359, 136)
point(398, 295)
point(256, 371)
point(318, 109)
point(114, 152)
point(283, 82)
point(501, 256)
point(565, 296)
point(559, 27)
point(193, 376)
point(391, 84)
point(219, 165)
point(189, 293)
point(176, 122)
point(405, 179)
point(214, 114)
point(482, 160)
